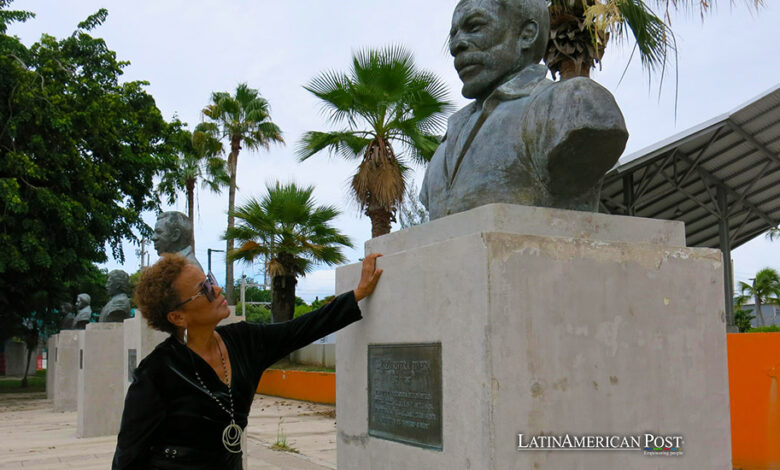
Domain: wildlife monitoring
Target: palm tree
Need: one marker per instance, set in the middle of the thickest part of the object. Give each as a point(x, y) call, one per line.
point(291, 235)
point(580, 30)
point(384, 99)
point(198, 158)
point(765, 289)
point(742, 317)
point(244, 119)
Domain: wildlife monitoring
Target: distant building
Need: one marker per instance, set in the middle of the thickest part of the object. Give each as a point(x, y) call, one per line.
point(771, 314)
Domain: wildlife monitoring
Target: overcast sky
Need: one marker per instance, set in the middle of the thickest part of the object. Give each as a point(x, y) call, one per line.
point(188, 49)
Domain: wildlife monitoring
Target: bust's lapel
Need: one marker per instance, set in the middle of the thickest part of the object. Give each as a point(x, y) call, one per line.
point(454, 126)
point(519, 86)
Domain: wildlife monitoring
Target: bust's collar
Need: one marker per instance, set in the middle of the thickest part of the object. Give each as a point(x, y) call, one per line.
point(521, 84)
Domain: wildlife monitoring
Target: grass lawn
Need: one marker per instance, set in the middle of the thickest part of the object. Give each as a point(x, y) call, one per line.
point(287, 365)
point(35, 383)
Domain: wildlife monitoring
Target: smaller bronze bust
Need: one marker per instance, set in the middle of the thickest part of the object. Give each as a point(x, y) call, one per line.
point(69, 318)
point(84, 313)
point(118, 307)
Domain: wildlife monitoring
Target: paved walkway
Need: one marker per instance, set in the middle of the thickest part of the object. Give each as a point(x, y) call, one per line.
point(32, 436)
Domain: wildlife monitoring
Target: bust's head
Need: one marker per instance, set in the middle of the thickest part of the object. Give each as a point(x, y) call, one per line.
point(118, 283)
point(66, 307)
point(493, 39)
point(172, 233)
point(83, 300)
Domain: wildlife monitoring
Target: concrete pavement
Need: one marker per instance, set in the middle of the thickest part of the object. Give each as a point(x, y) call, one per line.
point(33, 436)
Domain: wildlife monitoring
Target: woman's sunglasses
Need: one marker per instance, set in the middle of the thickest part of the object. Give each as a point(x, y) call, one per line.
point(207, 288)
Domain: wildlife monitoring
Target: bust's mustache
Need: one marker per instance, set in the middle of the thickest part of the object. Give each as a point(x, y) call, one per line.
point(464, 59)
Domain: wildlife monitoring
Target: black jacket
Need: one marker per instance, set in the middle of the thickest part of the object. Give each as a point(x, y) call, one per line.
point(170, 421)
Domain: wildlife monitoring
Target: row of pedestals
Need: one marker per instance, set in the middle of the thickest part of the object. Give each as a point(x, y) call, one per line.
point(90, 370)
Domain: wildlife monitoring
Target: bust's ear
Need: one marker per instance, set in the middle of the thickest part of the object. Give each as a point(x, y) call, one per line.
point(175, 233)
point(528, 34)
point(177, 318)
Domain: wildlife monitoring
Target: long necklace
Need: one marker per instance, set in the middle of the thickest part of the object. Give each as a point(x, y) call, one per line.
point(231, 436)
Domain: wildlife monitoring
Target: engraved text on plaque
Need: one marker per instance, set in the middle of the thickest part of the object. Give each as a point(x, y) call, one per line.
point(405, 393)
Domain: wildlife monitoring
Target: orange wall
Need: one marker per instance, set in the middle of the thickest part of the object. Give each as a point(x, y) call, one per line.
point(319, 387)
point(754, 370)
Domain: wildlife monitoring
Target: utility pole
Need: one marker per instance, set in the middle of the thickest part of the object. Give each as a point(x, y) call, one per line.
point(142, 253)
point(209, 251)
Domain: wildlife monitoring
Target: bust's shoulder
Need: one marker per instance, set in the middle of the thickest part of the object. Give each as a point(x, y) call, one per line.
point(577, 91)
point(575, 102)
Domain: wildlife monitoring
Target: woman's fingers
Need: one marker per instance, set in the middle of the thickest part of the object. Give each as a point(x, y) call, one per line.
point(369, 276)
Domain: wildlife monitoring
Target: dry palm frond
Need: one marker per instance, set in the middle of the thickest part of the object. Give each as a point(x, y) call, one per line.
point(576, 45)
point(379, 180)
point(275, 268)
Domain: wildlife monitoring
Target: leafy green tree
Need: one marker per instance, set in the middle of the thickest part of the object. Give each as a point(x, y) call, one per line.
point(198, 159)
point(292, 234)
point(765, 289)
point(255, 313)
point(742, 316)
point(384, 99)
point(302, 309)
point(581, 29)
point(252, 293)
point(78, 153)
point(244, 119)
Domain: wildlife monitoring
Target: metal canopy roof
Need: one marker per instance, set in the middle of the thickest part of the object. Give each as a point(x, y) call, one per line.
point(722, 177)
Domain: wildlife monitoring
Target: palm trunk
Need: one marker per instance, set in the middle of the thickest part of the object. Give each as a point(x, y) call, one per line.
point(758, 309)
point(191, 209)
point(283, 290)
point(569, 70)
point(380, 220)
point(235, 147)
point(283, 298)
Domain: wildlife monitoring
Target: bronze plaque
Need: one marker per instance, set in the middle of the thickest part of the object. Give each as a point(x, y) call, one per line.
point(404, 393)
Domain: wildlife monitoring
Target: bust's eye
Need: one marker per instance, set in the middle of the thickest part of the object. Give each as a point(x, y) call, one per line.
point(473, 26)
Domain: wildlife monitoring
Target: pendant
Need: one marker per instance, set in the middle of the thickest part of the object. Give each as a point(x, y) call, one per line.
point(231, 437)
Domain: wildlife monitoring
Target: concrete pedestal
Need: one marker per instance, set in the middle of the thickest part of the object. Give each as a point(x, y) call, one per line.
point(139, 341)
point(51, 365)
point(549, 322)
point(100, 380)
point(66, 377)
point(16, 359)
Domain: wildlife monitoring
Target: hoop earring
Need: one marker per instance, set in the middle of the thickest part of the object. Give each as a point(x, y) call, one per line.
point(185, 335)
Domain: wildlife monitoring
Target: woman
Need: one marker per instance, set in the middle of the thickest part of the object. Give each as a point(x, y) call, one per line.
point(190, 398)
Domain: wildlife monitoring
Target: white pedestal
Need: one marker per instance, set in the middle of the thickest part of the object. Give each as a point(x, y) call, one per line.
point(66, 376)
point(16, 359)
point(139, 341)
point(549, 322)
point(100, 380)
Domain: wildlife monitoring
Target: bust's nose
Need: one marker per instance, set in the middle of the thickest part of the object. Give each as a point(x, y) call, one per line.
point(458, 44)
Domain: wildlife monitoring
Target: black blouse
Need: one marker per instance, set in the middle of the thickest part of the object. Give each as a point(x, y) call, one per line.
point(167, 410)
